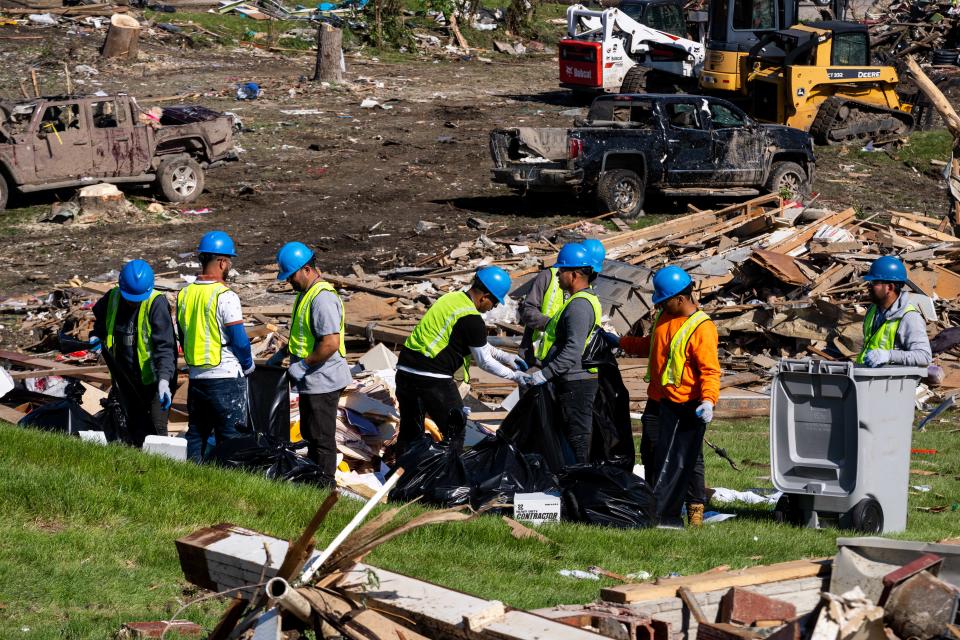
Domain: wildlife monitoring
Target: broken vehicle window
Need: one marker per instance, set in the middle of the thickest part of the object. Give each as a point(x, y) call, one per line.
point(17, 118)
point(723, 117)
point(754, 14)
point(683, 115)
point(61, 117)
point(106, 115)
point(667, 18)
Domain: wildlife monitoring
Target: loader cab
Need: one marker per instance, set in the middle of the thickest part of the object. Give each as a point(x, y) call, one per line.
point(662, 15)
point(819, 44)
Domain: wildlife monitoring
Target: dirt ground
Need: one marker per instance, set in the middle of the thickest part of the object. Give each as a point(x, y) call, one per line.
point(352, 182)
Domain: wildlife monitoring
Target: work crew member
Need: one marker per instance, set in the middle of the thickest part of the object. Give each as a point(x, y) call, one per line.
point(894, 331)
point(216, 348)
point(449, 335)
point(318, 367)
point(683, 373)
point(545, 298)
point(132, 322)
point(565, 339)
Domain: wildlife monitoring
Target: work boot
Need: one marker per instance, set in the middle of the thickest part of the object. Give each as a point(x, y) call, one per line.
point(695, 514)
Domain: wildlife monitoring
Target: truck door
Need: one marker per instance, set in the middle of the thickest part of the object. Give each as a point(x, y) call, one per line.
point(113, 143)
point(738, 146)
point(63, 150)
point(688, 144)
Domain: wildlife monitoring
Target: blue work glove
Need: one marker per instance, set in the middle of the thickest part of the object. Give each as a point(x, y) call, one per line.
point(520, 364)
point(705, 411)
point(94, 344)
point(297, 370)
point(466, 413)
point(611, 339)
point(537, 379)
point(877, 358)
point(163, 395)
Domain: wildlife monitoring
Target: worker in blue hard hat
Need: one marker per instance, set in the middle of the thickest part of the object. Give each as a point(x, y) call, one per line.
point(894, 331)
point(597, 251)
point(215, 347)
point(318, 365)
point(683, 376)
point(133, 326)
point(565, 340)
point(447, 338)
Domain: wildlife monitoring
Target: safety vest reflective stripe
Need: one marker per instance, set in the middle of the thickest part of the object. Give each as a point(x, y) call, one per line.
point(199, 326)
point(550, 331)
point(885, 336)
point(552, 301)
point(432, 333)
point(144, 332)
point(677, 355)
point(302, 340)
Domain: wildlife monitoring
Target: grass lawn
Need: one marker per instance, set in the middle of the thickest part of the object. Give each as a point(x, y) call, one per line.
point(86, 538)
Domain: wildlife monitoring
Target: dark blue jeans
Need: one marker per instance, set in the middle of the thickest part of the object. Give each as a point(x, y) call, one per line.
point(218, 406)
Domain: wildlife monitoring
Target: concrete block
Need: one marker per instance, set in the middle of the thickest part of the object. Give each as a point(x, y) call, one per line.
point(378, 358)
point(850, 569)
point(167, 446)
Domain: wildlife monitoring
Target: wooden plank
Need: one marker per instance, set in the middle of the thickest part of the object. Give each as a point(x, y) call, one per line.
point(44, 363)
point(806, 233)
point(351, 283)
point(836, 273)
point(10, 414)
point(922, 229)
point(57, 371)
point(702, 583)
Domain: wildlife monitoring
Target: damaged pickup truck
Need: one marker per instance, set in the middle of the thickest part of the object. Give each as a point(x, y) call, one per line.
point(678, 145)
point(57, 142)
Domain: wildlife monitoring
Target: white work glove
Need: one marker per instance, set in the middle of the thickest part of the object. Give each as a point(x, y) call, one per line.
point(277, 359)
point(466, 413)
point(163, 394)
point(537, 378)
point(297, 370)
point(877, 358)
point(248, 371)
point(705, 411)
point(520, 364)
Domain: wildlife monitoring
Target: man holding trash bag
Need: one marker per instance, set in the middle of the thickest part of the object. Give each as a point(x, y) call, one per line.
point(132, 323)
point(894, 331)
point(318, 365)
point(683, 373)
point(444, 341)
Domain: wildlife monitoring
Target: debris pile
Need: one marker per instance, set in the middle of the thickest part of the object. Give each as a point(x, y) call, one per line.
point(930, 31)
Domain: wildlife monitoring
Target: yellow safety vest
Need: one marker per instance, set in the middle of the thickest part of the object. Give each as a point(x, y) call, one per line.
point(551, 303)
point(886, 334)
point(199, 326)
point(302, 341)
point(550, 331)
point(432, 333)
point(144, 332)
point(677, 355)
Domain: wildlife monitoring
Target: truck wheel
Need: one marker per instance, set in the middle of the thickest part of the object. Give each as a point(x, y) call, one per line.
point(867, 516)
point(635, 81)
point(621, 190)
point(180, 180)
point(788, 177)
point(4, 193)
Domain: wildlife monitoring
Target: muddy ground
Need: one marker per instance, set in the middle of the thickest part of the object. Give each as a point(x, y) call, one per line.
point(329, 178)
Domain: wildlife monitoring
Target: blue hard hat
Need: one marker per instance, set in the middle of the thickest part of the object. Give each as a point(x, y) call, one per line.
point(136, 281)
point(668, 282)
point(887, 269)
point(496, 281)
point(572, 256)
point(597, 251)
point(218, 243)
point(292, 257)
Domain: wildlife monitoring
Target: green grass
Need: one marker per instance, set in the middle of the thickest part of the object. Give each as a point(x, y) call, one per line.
point(924, 146)
point(12, 219)
point(86, 541)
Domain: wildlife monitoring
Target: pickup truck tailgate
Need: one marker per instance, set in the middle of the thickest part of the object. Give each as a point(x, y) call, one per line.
point(527, 157)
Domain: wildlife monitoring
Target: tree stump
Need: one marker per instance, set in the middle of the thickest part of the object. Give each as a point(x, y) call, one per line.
point(121, 40)
point(329, 54)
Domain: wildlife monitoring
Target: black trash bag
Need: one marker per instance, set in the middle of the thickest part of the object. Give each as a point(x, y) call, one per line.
point(269, 405)
point(612, 428)
point(65, 416)
point(260, 453)
point(607, 495)
point(498, 470)
point(113, 419)
point(434, 472)
point(532, 426)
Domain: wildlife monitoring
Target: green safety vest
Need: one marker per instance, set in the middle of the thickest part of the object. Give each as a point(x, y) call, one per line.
point(886, 334)
point(552, 301)
point(432, 333)
point(550, 331)
point(302, 340)
point(677, 355)
point(197, 318)
point(144, 332)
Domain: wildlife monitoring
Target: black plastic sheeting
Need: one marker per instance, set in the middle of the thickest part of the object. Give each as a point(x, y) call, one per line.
point(262, 454)
point(607, 495)
point(269, 402)
point(493, 469)
point(65, 416)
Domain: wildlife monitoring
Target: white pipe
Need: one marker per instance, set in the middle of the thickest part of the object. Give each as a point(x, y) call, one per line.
point(279, 590)
point(318, 561)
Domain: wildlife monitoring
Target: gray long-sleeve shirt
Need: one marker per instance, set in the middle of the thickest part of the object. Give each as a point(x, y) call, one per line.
point(163, 344)
point(531, 317)
point(565, 358)
point(911, 347)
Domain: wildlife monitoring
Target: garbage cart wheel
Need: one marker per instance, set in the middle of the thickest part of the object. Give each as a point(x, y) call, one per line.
point(867, 516)
point(621, 190)
point(180, 180)
point(787, 511)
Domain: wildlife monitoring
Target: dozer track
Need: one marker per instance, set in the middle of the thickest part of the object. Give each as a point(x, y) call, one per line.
point(841, 120)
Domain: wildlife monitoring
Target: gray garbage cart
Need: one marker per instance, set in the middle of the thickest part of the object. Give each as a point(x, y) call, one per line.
point(840, 438)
